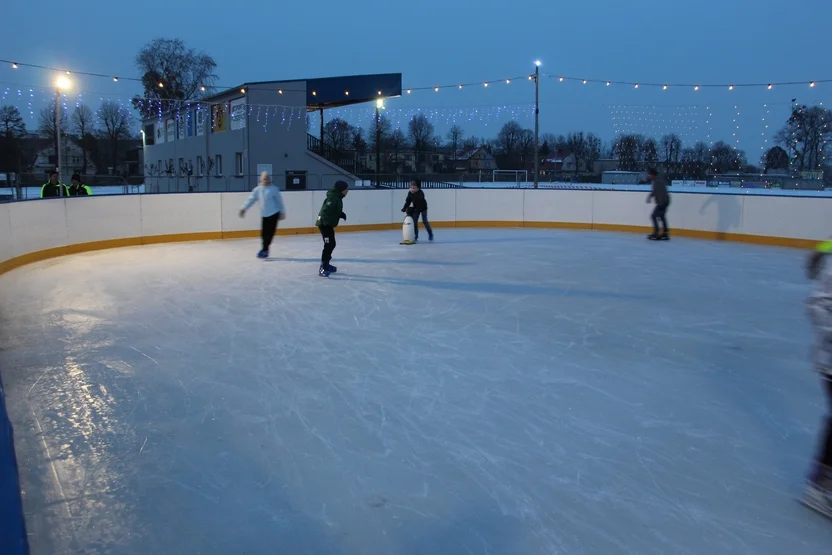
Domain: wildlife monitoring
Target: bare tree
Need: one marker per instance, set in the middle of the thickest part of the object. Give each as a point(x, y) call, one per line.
point(576, 144)
point(11, 122)
point(47, 129)
point(115, 125)
point(420, 130)
point(455, 139)
point(649, 151)
point(357, 142)
point(471, 143)
point(83, 129)
point(382, 132)
point(671, 146)
point(12, 130)
point(508, 138)
point(775, 159)
point(806, 137)
point(172, 73)
point(398, 142)
point(592, 150)
point(725, 158)
point(628, 151)
point(338, 134)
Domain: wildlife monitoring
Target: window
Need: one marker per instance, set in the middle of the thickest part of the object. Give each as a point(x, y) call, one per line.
point(218, 164)
point(238, 163)
point(200, 165)
point(182, 167)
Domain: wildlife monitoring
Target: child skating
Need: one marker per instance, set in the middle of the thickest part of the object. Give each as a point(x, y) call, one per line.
point(662, 198)
point(818, 491)
point(271, 210)
point(420, 207)
point(331, 212)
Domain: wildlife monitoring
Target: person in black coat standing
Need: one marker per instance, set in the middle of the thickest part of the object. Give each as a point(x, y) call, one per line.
point(420, 207)
point(662, 198)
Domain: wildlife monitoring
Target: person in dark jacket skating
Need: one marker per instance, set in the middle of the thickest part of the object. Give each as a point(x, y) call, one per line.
point(662, 199)
point(420, 206)
point(331, 212)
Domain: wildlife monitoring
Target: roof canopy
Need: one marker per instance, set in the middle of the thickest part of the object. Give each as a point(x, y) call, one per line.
point(332, 92)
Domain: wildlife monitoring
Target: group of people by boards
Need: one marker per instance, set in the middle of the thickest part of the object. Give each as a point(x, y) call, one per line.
point(54, 188)
point(272, 210)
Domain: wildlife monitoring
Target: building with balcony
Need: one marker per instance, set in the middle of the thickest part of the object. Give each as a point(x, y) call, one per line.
point(223, 142)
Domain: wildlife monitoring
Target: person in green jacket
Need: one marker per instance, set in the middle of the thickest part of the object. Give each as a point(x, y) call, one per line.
point(78, 189)
point(53, 188)
point(331, 212)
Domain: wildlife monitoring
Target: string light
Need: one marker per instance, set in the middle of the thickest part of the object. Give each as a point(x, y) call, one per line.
point(695, 86)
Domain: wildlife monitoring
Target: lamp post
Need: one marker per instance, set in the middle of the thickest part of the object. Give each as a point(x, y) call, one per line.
point(379, 107)
point(61, 84)
point(536, 122)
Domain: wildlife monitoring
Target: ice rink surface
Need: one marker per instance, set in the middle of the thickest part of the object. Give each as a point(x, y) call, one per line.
point(507, 391)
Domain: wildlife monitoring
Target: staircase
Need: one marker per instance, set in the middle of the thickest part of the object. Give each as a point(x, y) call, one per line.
point(345, 160)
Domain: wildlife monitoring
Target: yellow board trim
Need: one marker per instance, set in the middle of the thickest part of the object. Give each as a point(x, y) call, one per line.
point(77, 248)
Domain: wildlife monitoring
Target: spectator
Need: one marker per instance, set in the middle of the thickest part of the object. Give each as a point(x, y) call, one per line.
point(77, 188)
point(53, 187)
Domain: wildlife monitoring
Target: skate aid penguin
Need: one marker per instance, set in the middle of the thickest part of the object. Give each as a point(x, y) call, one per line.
point(408, 234)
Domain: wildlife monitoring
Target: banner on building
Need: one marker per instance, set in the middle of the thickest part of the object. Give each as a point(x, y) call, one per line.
point(219, 118)
point(180, 126)
point(189, 123)
point(200, 122)
point(238, 114)
point(170, 127)
point(160, 133)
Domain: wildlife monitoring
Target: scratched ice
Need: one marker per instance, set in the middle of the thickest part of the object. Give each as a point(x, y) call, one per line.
point(495, 392)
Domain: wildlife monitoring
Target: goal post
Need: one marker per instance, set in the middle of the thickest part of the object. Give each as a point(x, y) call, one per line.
point(517, 177)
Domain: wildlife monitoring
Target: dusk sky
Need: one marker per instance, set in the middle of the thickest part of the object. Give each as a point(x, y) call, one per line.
point(440, 43)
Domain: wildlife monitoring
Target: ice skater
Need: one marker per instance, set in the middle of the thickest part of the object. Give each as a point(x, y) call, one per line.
point(272, 209)
point(818, 491)
point(420, 206)
point(332, 210)
point(662, 198)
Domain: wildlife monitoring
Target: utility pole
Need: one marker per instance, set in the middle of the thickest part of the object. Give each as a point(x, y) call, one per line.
point(536, 123)
point(379, 106)
point(61, 84)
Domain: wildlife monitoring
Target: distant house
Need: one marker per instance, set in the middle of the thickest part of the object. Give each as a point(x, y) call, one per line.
point(73, 160)
point(474, 160)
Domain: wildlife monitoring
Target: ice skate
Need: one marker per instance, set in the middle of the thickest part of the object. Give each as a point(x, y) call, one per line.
point(817, 498)
point(664, 237)
point(263, 254)
point(653, 236)
point(323, 272)
point(332, 269)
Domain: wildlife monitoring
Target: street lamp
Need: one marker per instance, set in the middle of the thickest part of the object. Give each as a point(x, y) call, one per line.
point(61, 84)
point(379, 107)
point(536, 122)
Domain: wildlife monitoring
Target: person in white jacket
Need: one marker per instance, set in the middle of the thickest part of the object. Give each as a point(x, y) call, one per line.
point(272, 209)
point(818, 492)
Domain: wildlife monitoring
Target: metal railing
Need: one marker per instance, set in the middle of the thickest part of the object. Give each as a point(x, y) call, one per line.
point(116, 185)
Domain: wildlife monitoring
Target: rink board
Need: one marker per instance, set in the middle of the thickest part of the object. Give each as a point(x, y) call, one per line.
point(36, 230)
